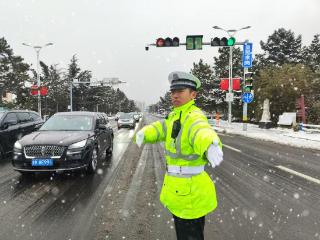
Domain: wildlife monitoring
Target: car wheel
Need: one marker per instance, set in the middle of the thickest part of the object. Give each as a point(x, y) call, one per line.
point(93, 162)
point(110, 149)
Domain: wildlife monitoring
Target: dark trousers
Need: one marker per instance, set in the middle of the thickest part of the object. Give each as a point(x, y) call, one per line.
point(189, 229)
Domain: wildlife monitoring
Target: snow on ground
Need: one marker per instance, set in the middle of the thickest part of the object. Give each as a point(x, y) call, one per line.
point(299, 139)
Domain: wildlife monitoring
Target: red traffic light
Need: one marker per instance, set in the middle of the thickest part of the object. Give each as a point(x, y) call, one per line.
point(160, 42)
point(168, 42)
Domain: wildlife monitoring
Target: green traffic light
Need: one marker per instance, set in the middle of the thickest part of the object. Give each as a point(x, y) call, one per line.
point(231, 41)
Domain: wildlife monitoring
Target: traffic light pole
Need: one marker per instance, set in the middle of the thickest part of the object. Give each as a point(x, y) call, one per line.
point(230, 86)
point(244, 105)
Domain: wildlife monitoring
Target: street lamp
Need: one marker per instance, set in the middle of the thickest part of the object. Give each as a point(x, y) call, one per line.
point(37, 49)
point(231, 33)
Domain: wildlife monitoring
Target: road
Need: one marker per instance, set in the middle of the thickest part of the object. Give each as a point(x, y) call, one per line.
point(265, 191)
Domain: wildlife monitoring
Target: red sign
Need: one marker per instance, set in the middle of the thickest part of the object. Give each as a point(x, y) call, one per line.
point(224, 84)
point(43, 91)
point(34, 90)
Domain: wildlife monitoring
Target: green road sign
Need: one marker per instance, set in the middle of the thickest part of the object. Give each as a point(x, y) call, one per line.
point(194, 42)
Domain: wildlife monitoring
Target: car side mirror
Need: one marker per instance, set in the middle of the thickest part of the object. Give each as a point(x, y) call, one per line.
point(4, 126)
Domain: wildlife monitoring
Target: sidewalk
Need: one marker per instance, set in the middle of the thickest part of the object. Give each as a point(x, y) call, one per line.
point(299, 139)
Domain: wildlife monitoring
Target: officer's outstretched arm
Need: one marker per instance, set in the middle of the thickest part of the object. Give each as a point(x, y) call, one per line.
point(152, 133)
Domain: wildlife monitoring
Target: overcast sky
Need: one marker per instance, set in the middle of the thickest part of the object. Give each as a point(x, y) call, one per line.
point(109, 36)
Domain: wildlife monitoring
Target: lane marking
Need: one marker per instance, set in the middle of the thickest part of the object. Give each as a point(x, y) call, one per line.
point(224, 134)
point(234, 149)
point(299, 174)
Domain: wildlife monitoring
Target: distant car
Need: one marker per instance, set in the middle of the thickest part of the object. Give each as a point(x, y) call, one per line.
point(126, 120)
point(13, 125)
point(66, 141)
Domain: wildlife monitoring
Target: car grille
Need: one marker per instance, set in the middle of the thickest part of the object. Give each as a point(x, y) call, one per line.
point(43, 151)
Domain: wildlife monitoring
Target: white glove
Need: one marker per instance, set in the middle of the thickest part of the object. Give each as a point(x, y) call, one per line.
point(214, 154)
point(139, 138)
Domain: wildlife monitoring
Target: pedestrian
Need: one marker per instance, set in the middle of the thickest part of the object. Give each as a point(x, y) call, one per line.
point(190, 143)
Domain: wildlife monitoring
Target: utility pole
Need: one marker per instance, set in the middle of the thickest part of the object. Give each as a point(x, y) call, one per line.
point(37, 49)
point(231, 33)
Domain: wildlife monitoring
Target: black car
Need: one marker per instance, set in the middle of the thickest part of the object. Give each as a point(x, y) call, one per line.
point(66, 141)
point(14, 125)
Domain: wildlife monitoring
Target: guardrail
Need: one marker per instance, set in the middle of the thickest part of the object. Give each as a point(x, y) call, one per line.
point(309, 127)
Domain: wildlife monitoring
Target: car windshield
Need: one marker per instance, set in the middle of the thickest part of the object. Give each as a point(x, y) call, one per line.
point(68, 123)
point(1, 114)
point(125, 116)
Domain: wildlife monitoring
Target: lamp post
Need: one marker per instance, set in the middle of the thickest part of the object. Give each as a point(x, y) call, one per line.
point(231, 33)
point(37, 49)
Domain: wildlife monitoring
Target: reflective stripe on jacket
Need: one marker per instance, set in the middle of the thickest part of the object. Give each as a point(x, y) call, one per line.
point(195, 196)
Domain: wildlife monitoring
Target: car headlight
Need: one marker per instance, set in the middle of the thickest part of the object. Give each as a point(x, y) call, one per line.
point(17, 145)
point(80, 144)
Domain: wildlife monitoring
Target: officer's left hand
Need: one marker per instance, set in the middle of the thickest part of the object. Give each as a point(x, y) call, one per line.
point(139, 138)
point(214, 154)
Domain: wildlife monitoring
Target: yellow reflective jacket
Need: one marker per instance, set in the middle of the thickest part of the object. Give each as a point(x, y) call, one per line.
point(186, 197)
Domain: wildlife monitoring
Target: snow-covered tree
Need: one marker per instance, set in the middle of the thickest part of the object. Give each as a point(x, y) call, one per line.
point(282, 47)
point(311, 54)
point(205, 98)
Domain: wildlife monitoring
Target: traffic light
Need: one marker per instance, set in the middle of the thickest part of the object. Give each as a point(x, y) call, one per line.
point(168, 42)
point(194, 42)
point(248, 80)
point(223, 42)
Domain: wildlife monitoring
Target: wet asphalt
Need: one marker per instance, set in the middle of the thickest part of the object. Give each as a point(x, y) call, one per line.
point(258, 199)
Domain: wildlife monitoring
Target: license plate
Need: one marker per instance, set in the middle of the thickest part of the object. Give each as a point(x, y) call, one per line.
point(42, 162)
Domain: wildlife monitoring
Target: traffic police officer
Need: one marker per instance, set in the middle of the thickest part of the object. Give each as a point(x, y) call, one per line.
point(190, 142)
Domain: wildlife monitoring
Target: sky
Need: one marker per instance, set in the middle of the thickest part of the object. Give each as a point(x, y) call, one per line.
point(109, 37)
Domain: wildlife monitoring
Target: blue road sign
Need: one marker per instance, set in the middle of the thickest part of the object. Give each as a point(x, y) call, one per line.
point(247, 97)
point(247, 55)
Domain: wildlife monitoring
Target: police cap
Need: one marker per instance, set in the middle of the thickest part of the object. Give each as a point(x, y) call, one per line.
point(181, 80)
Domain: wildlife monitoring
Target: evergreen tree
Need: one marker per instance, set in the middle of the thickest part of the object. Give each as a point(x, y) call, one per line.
point(165, 102)
point(205, 98)
point(13, 73)
point(58, 90)
point(312, 54)
point(282, 47)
